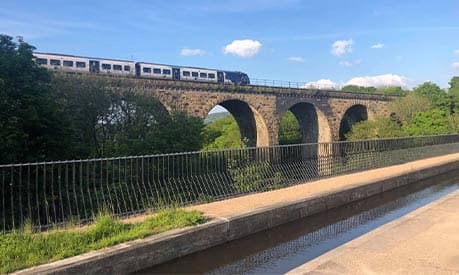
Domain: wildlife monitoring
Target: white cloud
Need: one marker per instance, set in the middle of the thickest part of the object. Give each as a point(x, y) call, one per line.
point(456, 52)
point(379, 80)
point(341, 47)
point(378, 46)
point(296, 59)
point(346, 63)
point(455, 65)
point(321, 84)
point(191, 52)
point(243, 48)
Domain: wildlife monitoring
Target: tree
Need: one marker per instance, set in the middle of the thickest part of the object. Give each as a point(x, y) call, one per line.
point(359, 89)
point(435, 94)
point(433, 122)
point(392, 90)
point(454, 83)
point(132, 124)
point(406, 108)
point(221, 134)
point(453, 92)
point(85, 100)
point(32, 124)
point(289, 129)
point(381, 127)
point(180, 132)
point(106, 123)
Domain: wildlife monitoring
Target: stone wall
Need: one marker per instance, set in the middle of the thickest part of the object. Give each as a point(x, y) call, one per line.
point(258, 109)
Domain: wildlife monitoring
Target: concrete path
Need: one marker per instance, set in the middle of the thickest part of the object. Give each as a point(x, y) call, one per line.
point(316, 189)
point(425, 241)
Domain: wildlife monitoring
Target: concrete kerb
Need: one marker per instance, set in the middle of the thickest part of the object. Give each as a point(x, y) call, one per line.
point(143, 253)
point(315, 264)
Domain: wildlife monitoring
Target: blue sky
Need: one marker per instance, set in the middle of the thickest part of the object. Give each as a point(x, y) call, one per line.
point(382, 42)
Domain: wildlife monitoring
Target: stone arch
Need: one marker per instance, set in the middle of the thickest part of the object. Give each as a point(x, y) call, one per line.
point(162, 106)
point(355, 113)
point(167, 104)
point(313, 122)
point(252, 126)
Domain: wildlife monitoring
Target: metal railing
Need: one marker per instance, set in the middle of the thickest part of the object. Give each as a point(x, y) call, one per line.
point(290, 84)
point(52, 194)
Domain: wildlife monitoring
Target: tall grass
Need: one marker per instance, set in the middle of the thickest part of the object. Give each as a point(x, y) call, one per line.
point(25, 248)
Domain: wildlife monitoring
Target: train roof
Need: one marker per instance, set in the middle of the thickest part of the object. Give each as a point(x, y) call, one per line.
point(88, 57)
point(101, 58)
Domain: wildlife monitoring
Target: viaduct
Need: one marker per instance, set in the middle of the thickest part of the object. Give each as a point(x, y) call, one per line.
point(323, 115)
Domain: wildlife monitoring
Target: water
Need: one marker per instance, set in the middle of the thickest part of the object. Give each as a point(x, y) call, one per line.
point(285, 247)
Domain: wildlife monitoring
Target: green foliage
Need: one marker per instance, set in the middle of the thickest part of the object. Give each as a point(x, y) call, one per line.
point(453, 92)
point(379, 128)
point(55, 116)
point(406, 108)
point(224, 133)
point(427, 110)
point(389, 90)
point(119, 124)
point(435, 94)
point(221, 134)
point(289, 129)
point(214, 116)
point(32, 125)
point(85, 101)
point(392, 90)
point(23, 249)
point(433, 122)
point(250, 176)
point(359, 89)
point(454, 83)
point(454, 122)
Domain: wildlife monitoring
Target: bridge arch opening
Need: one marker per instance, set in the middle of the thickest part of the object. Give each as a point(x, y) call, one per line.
point(252, 130)
point(303, 123)
point(353, 115)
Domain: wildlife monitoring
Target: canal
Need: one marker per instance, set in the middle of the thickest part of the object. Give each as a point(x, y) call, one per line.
point(288, 246)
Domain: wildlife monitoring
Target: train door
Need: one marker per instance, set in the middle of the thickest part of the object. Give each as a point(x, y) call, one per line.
point(176, 73)
point(220, 77)
point(94, 66)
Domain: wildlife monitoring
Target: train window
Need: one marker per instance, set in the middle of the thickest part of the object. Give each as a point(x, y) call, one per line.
point(147, 70)
point(55, 62)
point(117, 67)
point(80, 64)
point(166, 71)
point(186, 73)
point(211, 76)
point(156, 71)
point(203, 75)
point(67, 63)
point(106, 66)
point(194, 74)
point(127, 68)
point(41, 61)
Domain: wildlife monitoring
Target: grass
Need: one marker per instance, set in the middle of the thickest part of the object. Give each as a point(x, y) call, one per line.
point(21, 249)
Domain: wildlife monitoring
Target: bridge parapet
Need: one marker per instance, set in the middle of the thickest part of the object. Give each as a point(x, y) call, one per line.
point(258, 109)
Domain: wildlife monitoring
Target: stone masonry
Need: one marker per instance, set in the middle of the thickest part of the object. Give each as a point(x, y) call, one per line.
point(258, 109)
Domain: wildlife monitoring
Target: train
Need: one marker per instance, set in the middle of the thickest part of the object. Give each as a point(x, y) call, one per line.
point(116, 67)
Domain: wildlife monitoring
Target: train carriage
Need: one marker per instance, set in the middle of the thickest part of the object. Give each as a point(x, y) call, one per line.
point(62, 62)
point(79, 64)
point(198, 74)
point(151, 70)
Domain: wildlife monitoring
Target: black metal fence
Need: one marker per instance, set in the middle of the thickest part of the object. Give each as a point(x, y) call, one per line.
point(51, 194)
point(291, 84)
